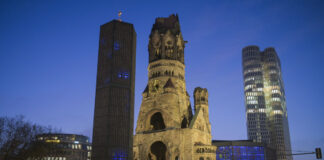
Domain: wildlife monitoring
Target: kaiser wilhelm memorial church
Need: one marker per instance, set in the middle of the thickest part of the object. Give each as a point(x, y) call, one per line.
point(166, 127)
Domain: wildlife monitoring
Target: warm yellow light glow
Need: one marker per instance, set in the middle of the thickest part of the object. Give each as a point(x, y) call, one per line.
point(275, 91)
point(252, 102)
point(52, 141)
point(276, 99)
point(248, 87)
point(277, 112)
point(249, 79)
point(261, 110)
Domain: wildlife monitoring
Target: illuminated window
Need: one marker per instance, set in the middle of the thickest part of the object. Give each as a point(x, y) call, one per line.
point(261, 110)
point(275, 91)
point(249, 79)
point(120, 156)
point(277, 112)
point(123, 75)
point(272, 71)
point(251, 93)
point(252, 102)
point(248, 87)
point(275, 99)
point(250, 97)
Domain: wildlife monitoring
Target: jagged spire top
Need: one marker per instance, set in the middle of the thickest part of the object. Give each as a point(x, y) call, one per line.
point(162, 24)
point(166, 41)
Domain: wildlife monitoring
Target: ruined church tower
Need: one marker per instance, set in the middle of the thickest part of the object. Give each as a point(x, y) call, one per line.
point(166, 127)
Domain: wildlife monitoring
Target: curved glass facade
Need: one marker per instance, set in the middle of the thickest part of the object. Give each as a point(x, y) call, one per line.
point(265, 101)
point(71, 146)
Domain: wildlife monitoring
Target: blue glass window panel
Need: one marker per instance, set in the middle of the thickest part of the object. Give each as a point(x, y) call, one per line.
point(126, 75)
point(240, 153)
point(123, 75)
point(120, 155)
point(116, 46)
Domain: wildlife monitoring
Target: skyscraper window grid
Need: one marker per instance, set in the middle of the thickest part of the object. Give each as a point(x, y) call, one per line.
point(265, 102)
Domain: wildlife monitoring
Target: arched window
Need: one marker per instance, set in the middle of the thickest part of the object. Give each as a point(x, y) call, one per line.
point(157, 121)
point(201, 158)
point(177, 158)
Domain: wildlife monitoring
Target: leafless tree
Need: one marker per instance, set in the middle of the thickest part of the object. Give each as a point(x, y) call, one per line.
point(18, 139)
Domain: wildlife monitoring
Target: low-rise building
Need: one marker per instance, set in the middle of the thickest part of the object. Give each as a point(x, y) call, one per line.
point(67, 146)
point(243, 150)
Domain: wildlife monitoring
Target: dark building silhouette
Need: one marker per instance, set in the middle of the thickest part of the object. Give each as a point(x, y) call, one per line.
point(265, 102)
point(114, 102)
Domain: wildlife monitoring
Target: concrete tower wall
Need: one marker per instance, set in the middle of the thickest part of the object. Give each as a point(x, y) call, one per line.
point(114, 102)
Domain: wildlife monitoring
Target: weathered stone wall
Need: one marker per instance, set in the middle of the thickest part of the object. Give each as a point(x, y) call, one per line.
point(166, 128)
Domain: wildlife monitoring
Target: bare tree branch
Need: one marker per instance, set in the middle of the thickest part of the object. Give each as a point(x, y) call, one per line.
point(18, 139)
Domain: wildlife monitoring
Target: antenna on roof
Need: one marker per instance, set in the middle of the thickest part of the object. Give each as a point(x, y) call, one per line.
point(119, 14)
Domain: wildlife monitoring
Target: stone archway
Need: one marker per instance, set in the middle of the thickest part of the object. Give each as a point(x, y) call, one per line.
point(158, 149)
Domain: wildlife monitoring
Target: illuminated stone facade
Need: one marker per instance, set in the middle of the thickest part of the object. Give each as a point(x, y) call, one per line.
point(265, 102)
point(166, 128)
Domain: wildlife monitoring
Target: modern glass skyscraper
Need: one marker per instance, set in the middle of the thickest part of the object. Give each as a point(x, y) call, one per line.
point(265, 102)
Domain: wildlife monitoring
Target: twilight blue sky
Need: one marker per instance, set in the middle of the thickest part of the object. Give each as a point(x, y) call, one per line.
point(49, 49)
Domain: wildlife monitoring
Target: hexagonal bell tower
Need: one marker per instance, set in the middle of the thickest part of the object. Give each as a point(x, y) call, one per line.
point(165, 128)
